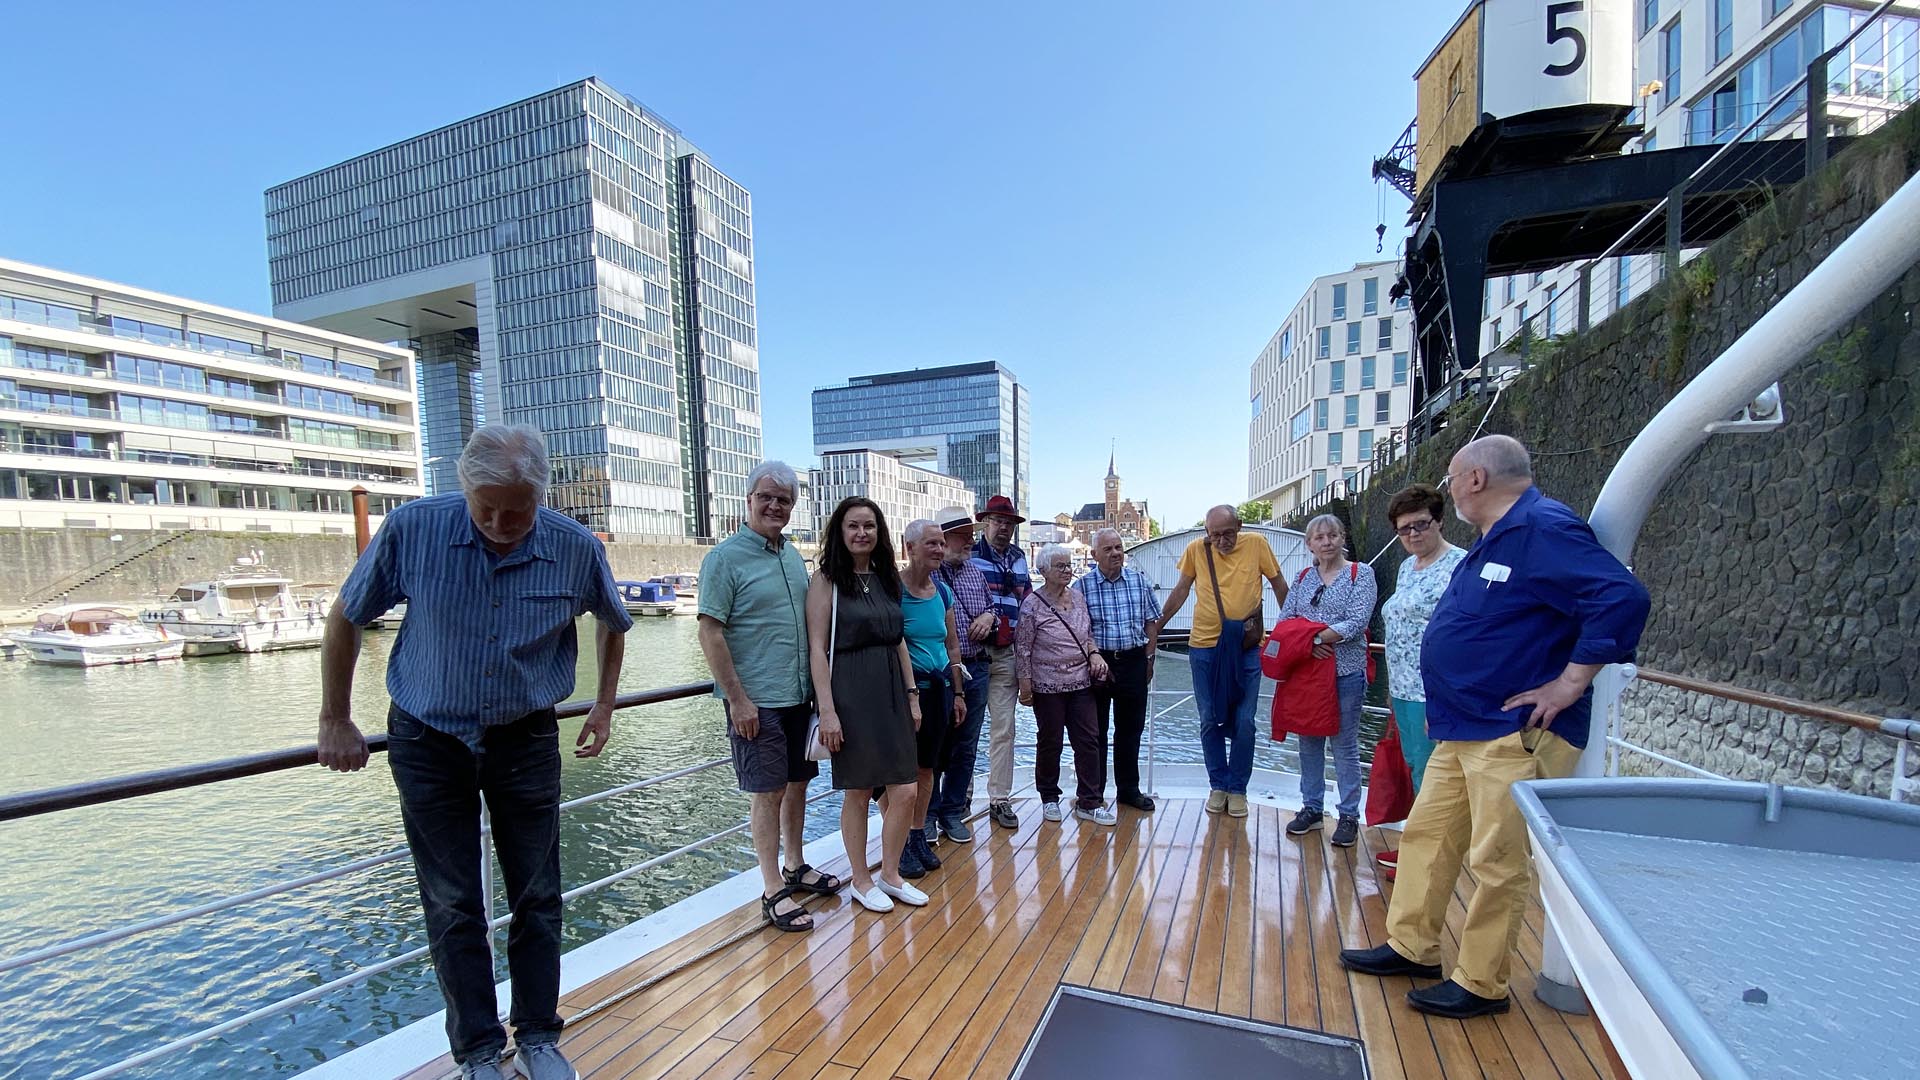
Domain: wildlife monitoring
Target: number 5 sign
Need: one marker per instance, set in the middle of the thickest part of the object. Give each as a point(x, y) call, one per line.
point(1548, 54)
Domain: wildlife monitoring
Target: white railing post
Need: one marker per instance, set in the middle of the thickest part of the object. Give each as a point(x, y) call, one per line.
point(1902, 785)
point(486, 869)
point(1153, 721)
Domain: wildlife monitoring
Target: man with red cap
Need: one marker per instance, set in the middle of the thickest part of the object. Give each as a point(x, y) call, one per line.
point(1002, 563)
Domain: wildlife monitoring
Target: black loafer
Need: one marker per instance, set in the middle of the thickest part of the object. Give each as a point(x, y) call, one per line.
point(1385, 960)
point(1138, 801)
point(1455, 1002)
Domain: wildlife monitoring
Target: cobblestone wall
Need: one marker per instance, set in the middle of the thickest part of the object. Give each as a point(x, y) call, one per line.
point(1785, 562)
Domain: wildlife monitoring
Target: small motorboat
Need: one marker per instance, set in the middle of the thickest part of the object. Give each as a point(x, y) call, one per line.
point(94, 635)
point(248, 608)
point(653, 599)
point(686, 590)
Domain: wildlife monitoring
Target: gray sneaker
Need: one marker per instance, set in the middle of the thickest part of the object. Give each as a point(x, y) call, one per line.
point(956, 830)
point(484, 1067)
point(1346, 832)
point(544, 1061)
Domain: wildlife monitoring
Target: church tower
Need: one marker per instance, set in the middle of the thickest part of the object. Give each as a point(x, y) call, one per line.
point(1113, 494)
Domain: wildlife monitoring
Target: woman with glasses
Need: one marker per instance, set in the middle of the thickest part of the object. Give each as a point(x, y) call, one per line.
point(1058, 665)
point(1416, 514)
point(1339, 593)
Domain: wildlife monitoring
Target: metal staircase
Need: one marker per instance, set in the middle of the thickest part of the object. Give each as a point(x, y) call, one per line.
point(57, 592)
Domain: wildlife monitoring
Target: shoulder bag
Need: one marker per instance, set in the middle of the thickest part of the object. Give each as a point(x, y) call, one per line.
point(817, 750)
point(1253, 628)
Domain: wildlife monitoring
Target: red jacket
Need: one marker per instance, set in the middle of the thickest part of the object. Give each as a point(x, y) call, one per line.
point(1305, 699)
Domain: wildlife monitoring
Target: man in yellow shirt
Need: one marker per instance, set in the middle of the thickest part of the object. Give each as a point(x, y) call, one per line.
point(1225, 659)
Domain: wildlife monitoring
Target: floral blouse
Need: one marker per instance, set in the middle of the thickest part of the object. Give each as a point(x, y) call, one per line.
point(1345, 605)
point(1415, 595)
point(1047, 643)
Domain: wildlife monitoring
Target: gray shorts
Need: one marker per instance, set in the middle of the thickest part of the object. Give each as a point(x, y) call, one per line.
point(777, 754)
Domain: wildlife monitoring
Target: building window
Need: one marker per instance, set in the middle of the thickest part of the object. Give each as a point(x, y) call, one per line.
point(1383, 408)
point(1340, 300)
point(1520, 320)
point(1399, 369)
point(1301, 424)
point(1553, 308)
point(1486, 298)
point(1319, 481)
point(1493, 339)
point(1326, 342)
point(1650, 15)
point(1622, 280)
point(1402, 302)
point(1352, 417)
point(1320, 415)
point(1367, 365)
point(1335, 452)
point(1670, 63)
point(1509, 290)
point(1337, 376)
point(1366, 447)
point(1384, 339)
point(1775, 7)
point(1722, 29)
point(1370, 296)
point(1353, 339)
point(1257, 400)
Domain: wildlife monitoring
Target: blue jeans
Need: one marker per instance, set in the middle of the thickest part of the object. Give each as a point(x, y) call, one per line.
point(1226, 711)
point(441, 780)
point(953, 787)
point(1346, 752)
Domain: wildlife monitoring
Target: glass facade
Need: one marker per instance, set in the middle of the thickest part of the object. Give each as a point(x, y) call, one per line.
point(972, 420)
point(570, 261)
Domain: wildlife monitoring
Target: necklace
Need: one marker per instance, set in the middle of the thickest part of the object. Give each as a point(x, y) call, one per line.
point(865, 588)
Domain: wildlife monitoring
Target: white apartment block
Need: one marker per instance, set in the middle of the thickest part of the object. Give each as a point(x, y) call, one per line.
point(1720, 64)
point(127, 409)
point(1331, 385)
point(903, 492)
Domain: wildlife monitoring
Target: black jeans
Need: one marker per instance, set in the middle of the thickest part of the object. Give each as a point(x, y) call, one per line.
point(1126, 695)
point(1069, 714)
point(441, 781)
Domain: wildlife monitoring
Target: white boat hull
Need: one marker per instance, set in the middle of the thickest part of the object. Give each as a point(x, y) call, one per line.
point(659, 609)
point(99, 654)
point(1638, 1034)
point(269, 635)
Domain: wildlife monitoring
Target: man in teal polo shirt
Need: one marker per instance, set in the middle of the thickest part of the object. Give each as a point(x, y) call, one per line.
point(753, 630)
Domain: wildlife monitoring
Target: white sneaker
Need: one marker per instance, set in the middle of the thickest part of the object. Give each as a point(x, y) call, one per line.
point(873, 899)
point(903, 892)
point(1051, 811)
point(1099, 815)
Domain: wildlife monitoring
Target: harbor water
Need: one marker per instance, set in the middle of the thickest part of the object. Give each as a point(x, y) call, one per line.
point(84, 871)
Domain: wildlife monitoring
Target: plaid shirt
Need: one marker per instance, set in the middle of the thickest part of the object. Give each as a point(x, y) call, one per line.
point(1007, 579)
point(1120, 608)
point(971, 600)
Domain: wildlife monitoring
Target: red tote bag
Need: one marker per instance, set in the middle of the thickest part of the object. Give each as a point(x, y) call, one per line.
point(1390, 786)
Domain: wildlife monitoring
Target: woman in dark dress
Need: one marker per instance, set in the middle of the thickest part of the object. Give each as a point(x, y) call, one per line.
point(863, 683)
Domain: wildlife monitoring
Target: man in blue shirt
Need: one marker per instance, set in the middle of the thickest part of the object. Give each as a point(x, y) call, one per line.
point(1534, 612)
point(1123, 611)
point(493, 582)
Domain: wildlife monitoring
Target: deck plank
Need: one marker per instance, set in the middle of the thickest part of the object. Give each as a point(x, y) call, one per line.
point(1214, 913)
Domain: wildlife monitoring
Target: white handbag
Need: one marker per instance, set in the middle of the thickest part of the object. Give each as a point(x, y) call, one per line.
point(817, 750)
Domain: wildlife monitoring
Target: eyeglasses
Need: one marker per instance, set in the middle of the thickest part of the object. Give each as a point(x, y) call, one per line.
point(1416, 528)
point(1317, 594)
point(772, 500)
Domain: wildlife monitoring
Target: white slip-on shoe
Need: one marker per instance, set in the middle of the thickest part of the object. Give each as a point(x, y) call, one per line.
point(874, 899)
point(904, 892)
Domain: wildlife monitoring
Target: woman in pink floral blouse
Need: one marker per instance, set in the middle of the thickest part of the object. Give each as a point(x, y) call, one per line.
point(1053, 650)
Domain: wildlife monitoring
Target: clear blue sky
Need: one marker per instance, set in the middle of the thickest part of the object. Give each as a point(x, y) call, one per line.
point(1119, 201)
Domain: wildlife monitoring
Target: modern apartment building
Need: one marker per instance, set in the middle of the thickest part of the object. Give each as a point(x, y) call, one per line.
point(903, 492)
point(1331, 386)
point(127, 409)
point(970, 421)
point(569, 261)
point(1720, 65)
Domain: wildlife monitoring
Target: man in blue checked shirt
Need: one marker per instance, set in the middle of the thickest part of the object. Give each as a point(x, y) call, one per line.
point(493, 582)
point(1120, 601)
point(1531, 615)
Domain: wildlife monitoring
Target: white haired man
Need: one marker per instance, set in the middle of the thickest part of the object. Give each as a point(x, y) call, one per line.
point(1124, 612)
point(493, 582)
point(753, 632)
point(1529, 617)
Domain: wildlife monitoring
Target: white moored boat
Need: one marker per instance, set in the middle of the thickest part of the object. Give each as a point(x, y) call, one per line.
point(93, 635)
point(248, 608)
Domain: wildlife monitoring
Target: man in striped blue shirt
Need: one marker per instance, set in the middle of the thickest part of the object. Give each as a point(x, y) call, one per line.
point(1121, 604)
point(1003, 565)
point(493, 582)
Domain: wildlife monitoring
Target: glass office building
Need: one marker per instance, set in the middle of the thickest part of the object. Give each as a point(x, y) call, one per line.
point(570, 261)
point(972, 421)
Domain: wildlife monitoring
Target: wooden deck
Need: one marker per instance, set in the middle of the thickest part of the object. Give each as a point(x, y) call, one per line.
point(1210, 912)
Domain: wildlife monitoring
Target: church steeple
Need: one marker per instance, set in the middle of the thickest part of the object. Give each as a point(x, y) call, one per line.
point(1113, 493)
point(1111, 475)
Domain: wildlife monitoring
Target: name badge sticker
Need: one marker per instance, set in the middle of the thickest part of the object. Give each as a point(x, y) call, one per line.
point(1494, 571)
